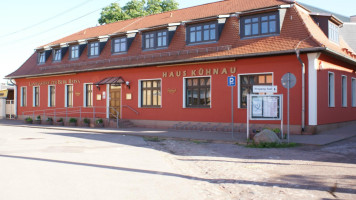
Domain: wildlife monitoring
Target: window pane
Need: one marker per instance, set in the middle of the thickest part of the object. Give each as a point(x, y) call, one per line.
point(248, 29)
point(192, 36)
point(189, 82)
point(202, 97)
point(269, 78)
point(272, 17)
point(254, 29)
point(198, 36)
point(265, 18)
point(155, 101)
point(264, 27)
point(212, 34)
point(195, 82)
point(247, 21)
point(272, 26)
point(261, 79)
point(255, 19)
point(206, 34)
point(149, 97)
point(154, 83)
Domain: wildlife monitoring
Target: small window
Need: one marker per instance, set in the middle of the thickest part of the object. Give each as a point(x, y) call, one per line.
point(344, 91)
point(331, 90)
point(41, 57)
point(353, 88)
point(51, 96)
point(202, 33)
point(155, 39)
point(333, 32)
point(94, 49)
point(151, 93)
point(69, 96)
point(248, 81)
point(119, 45)
point(197, 92)
point(36, 96)
point(57, 55)
point(23, 96)
point(259, 25)
point(74, 52)
point(88, 95)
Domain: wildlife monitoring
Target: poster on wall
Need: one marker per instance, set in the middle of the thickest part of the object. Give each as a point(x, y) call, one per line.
point(265, 107)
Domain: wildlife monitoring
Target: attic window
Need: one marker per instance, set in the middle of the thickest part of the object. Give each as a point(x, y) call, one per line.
point(57, 55)
point(94, 49)
point(199, 33)
point(333, 32)
point(260, 25)
point(41, 58)
point(74, 52)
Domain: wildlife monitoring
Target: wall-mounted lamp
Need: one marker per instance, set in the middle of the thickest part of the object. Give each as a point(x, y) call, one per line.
point(128, 84)
point(98, 86)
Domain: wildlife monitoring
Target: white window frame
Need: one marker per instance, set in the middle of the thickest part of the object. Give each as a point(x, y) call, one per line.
point(57, 55)
point(331, 104)
point(239, 85)
point(49, 96)
point(23, 101)
point(72, 52)
point(85, 95)
point(119, 41)
point(42, 58)
point(140, 94)
point(34, 96)
point(344, 91)
point(66, 95)
point(95, 47)
point(184, 105)
point(353, 92)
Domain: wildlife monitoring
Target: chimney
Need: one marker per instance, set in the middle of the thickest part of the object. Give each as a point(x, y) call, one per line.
point(353, 19)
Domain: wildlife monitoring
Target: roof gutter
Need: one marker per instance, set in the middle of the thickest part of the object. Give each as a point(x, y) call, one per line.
point(307, 50)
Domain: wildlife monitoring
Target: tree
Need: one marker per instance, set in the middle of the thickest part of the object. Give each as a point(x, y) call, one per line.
point(112, 13)
point(135, 8)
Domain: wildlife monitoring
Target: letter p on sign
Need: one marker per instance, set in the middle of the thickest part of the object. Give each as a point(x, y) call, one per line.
point(231, 81)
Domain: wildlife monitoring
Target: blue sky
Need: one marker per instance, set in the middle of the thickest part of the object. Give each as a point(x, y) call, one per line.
point(21, 32)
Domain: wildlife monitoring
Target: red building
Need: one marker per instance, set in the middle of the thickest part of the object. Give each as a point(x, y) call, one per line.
point(171, 69)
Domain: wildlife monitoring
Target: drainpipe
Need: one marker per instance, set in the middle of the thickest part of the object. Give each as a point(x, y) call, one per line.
point(303, 88)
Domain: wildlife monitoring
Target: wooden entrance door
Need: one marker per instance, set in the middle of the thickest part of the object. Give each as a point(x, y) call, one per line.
point(115, 100)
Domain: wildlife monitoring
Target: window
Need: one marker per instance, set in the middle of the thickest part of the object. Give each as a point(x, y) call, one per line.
point(57, 55)
point(94, 49)
point(74, 52)
point(333, 32)
point(23, 96)
point(260, 25)
point(344, 91)
point(202, 33)
point(151, 93)
point(197, 92)
point(69, 96)
point(353, 88)
point(51, 96)
point(36, 96)
point(41, 57)
point(331, 88)
point(248, 81)
point(88, 95)
point(119, 45)
point(155, 39)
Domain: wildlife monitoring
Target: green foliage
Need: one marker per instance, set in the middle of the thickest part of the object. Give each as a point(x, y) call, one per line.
point(99, 121)
point(38, 117)
point(60, 120)
point(134, 9)
point(72, 120)
point(271, 145)
point(49, 119)
point(28, 119)
point(86, 121)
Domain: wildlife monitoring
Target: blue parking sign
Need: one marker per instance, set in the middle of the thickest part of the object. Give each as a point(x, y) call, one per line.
point(231, 81)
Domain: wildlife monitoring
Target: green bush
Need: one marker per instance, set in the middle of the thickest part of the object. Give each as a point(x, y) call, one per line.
point(28, 119)
point(99, 121)
point(38, 117)
point(60, 120)
point(49, 119)
point(86, 121)
point(271, 145)
point(72, 120)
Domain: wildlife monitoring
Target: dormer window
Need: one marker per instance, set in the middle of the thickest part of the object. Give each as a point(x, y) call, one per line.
point(74, 52)
point(41, 57)
point(94, 49)
point(260, 25)
point(57, 55)
point(199, 33)
point(333, 32)
point(155, 39)
point(119, 45)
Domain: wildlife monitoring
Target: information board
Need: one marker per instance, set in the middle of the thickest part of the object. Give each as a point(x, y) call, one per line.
point(265, 107)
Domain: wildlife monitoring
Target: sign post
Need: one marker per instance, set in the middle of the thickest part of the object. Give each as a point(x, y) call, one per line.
point(288, 81)
point(231, 82)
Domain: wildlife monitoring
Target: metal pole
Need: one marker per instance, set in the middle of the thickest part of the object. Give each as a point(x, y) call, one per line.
point(54, 115)
point(288, 107)
point(80, 114)
point(117, 119)
point(248, 120)
point(66, 114)
point(94, 114)
point(232, 111)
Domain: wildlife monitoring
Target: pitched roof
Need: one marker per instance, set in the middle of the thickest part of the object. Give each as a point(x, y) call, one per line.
point(299, 31)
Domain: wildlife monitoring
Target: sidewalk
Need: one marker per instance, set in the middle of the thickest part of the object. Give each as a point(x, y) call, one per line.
point(323, 138)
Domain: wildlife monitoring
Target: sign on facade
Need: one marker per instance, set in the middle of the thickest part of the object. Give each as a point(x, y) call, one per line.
point(231, 81)
point(264, 89)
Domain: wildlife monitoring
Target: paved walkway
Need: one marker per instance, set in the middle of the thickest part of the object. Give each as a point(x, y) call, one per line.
point(323, 138)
